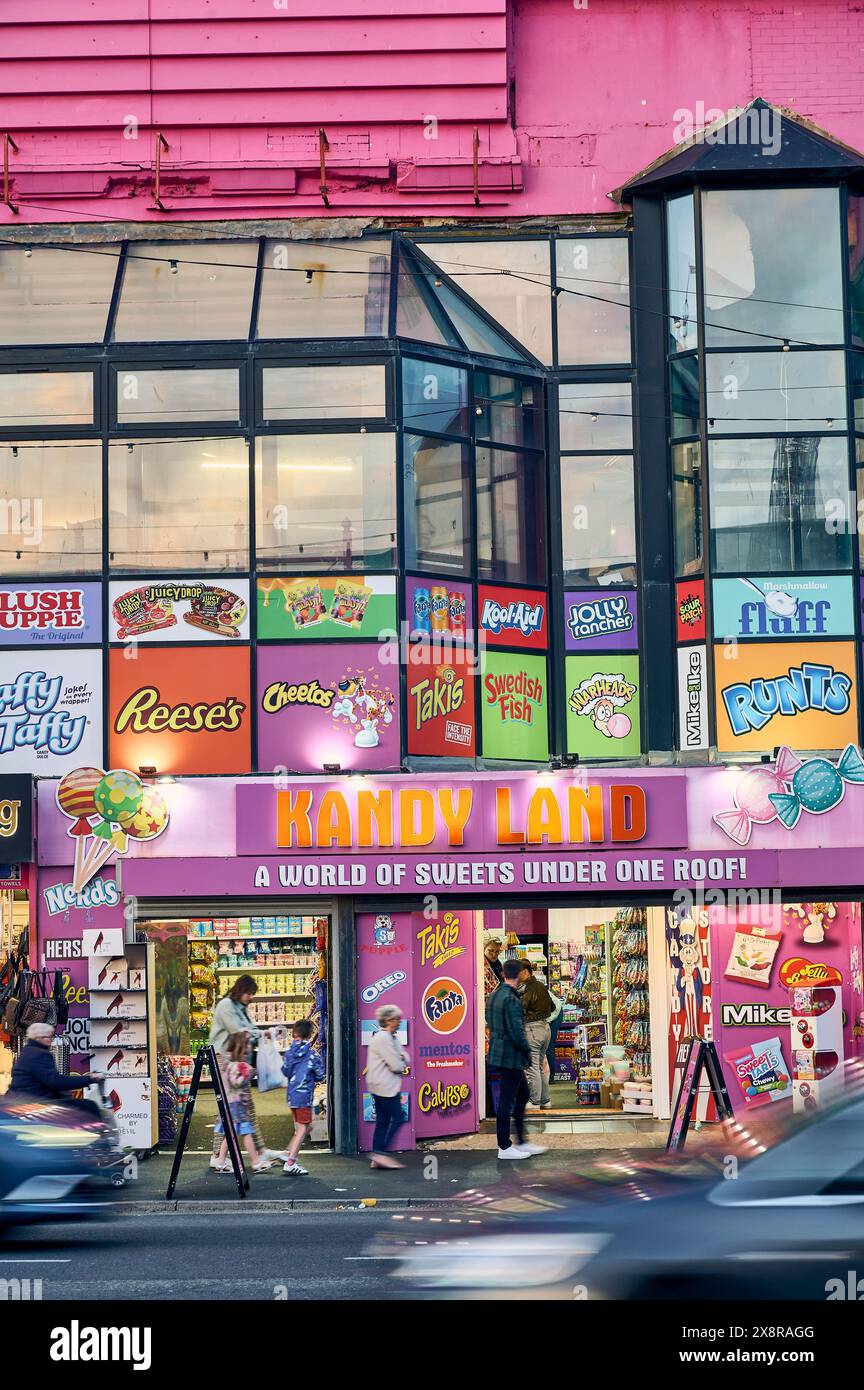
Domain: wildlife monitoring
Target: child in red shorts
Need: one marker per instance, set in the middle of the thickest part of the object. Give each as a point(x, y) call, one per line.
point(302, 1066)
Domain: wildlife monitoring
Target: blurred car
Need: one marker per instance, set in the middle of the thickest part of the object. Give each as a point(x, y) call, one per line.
point(779, 1225)
point(53, 1161)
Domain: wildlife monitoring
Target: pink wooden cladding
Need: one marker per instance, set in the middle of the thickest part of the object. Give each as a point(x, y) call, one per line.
point(240, 88)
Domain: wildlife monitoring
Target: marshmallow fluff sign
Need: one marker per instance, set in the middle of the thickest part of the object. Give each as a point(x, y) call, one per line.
point(50, 711)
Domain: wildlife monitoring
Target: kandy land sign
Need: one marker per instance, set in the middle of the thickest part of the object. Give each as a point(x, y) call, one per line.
point(50, 615)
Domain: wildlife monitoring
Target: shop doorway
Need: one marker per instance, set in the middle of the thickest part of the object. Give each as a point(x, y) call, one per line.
point(607, 969)
point(199, 956)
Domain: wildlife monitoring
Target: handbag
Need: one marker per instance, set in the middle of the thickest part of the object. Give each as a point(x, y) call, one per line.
point(10, 1009)
point(58, 994)
point(7, 982)
point(37, 1006)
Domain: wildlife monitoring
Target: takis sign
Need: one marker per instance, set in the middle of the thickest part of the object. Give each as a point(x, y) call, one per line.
point(438, 941)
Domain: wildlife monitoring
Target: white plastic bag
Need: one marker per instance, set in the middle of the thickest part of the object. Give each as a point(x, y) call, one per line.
point(269, 1065)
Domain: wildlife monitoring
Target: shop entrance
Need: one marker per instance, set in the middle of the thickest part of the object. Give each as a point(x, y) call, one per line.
point(611, 986)
point(200, 955)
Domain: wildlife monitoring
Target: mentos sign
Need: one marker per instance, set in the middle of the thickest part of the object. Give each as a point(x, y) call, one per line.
point(513, 617)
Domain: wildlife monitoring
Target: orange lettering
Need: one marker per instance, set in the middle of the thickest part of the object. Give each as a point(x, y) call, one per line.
point(334, 822)
point(455, 810)
point(410, 802)
point(585, 807)
point(292, 814)
point(505, 832)
point(629, 817)
point(377, 806)
point(544, 818)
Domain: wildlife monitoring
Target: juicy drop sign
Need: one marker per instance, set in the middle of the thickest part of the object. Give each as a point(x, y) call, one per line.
point(515, 707)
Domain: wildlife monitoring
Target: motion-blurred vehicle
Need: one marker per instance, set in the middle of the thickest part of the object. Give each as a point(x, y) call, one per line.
point(780, 1225)
point(54, 1161)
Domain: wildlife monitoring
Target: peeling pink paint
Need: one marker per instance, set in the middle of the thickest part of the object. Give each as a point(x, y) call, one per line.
point(567, 102)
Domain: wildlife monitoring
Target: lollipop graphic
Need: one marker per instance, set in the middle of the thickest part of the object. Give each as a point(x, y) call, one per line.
point(149, 820)
point(117, 793)
point(75, 798)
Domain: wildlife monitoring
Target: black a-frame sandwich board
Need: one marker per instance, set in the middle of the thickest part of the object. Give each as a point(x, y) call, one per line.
point(206, 1055)
point(700, 1055)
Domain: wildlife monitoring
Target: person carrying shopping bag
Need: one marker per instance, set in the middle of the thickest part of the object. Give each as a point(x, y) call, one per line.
point(230, 1017)
point(386, 1064)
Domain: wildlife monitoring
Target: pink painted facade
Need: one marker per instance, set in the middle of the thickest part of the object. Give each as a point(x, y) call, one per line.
point(566, 102)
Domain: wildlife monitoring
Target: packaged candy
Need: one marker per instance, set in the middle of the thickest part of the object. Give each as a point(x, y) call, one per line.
point(761, 1071)
point(139, 611)
point(216, 610)
point(304, 602)
point(752, 955)
point(349, 603)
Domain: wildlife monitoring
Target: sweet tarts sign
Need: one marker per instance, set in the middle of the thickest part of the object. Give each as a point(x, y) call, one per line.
point(476, 815)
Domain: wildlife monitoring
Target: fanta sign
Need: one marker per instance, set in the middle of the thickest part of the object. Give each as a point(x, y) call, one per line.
point(444, 1005)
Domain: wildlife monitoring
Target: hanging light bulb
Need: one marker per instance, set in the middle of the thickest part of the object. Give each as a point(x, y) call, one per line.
point(786, 345)
point(28, 251)
point(308, 277)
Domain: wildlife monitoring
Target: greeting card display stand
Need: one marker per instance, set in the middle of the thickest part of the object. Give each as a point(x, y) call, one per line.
point(701, 1055)
point(206, 1055)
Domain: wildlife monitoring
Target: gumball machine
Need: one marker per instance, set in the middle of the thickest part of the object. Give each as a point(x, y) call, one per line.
point(817, 1046)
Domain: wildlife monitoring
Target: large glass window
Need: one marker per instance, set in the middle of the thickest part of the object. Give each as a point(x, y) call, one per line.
point(595, 416)
point(45, 398)
point(511, 516)
point(593, 305)
point(773, 266)
point(684, 393)
point(598, 518)
point(507, 410)
point(681, 274)
point(771, 504)
point(56, 296)
point(326, 500)
point(434, 396)
point(179, 504)
point(761, 392)
point(193, 290)
point(337, 289)
point(437, 505)
point(178, 396)
point(50, 507)
point(855, 233)
point(509, 279)
point(687, 502)
point(354, 391)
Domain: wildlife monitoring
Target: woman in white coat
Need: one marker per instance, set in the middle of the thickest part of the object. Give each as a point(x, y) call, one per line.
point(386, 1064)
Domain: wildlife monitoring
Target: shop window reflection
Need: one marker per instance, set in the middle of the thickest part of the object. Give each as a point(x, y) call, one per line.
point(51, 498)
point(598, 518)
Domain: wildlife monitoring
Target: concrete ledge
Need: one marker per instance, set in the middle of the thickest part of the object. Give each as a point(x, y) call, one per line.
point(203, 1207)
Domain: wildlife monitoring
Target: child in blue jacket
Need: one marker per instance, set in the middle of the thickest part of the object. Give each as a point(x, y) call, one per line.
point(303, 1067)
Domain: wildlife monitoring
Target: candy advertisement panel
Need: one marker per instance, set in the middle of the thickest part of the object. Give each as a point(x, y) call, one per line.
point(789, 606)
point(600, 622)
point(440, 702)
point(513, 617)
point(514, 699)
point(603, 698)
point(50, 615)
point(320, 705)
point(693, 734)
point(179, 610)
point(690, 610)
point(800, 694)
point(332, 607)
point(443, 608)
point(444, 1056)
point(186, 709)
point(385, 963)
point(50, 711)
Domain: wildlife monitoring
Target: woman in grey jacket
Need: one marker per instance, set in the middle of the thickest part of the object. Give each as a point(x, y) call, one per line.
point(386, 1064)
point(230, 1017)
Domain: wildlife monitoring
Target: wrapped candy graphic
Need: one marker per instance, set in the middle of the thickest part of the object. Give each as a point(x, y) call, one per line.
point(764, 794)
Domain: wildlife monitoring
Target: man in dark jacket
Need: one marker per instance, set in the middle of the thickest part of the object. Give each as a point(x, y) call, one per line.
point(34, 1073)
point(509, 1055)
point(538, 1006)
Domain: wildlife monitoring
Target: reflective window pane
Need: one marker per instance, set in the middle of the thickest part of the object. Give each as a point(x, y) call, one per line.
point(437, 505)
point(859, 474)
point(594, 304)
point(356, 391)
point(681, 274)
point(56, 296)
point(856, 367)
point(509, 410)
point(178, 396)
point(338, 289)
point(757, 392)
point(772, 266)
point(414, 316)
point(595, 416)
point(50, 507)
point(855, 223)
point(186, 290)
point(684, 395)
point(598, 518)
point(179, 504)
point(687, 502)
point(772, 501)
point(45, 398)
point(435, 397)
point(487, 271)
point(511, 516)
point(326, 500)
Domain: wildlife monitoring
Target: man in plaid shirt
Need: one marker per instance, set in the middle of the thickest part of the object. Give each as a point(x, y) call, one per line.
point(509, 1055)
